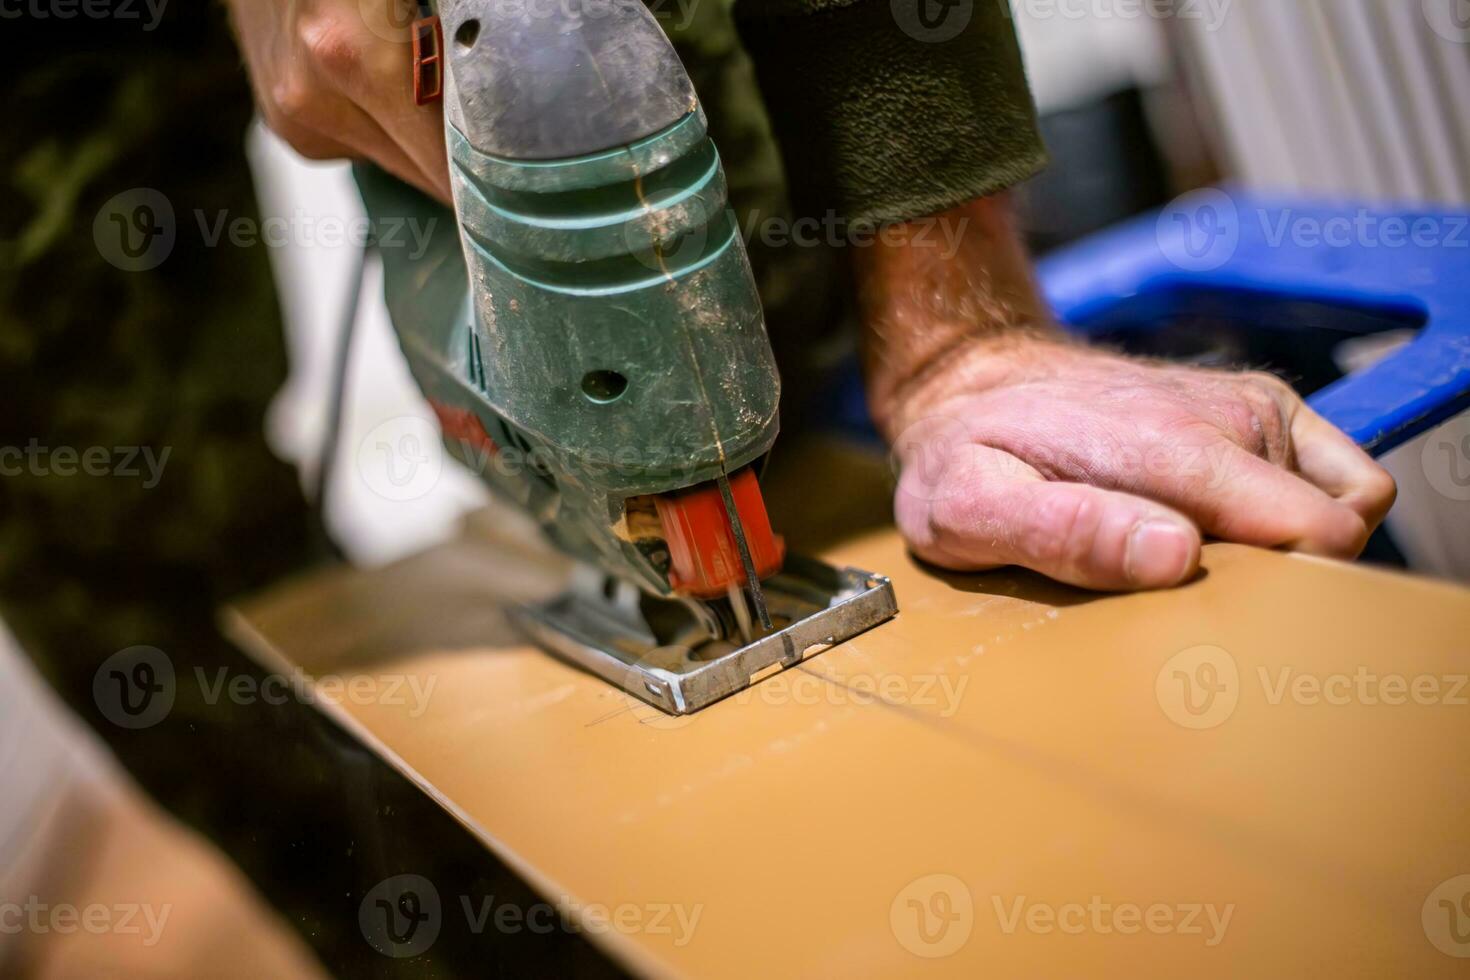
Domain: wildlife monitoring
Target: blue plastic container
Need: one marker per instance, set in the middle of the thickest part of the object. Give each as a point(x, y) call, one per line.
point(1237, 279)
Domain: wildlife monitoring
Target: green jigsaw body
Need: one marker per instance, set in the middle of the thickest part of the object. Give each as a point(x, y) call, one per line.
point(596, 318)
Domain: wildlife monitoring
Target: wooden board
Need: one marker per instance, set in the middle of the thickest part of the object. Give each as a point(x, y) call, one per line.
point(1262, 773)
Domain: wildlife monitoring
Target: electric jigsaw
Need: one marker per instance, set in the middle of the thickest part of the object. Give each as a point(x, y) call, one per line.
point(588, 331)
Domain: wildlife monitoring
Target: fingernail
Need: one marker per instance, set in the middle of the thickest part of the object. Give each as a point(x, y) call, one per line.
point(1159, 553)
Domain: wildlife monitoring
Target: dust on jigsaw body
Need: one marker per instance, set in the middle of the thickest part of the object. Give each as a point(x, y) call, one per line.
point(592, 339)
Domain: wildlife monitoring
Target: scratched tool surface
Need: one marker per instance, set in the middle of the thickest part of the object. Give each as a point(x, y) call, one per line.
point(1261, 773)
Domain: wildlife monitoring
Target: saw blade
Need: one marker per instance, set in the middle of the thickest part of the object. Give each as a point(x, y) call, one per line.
point(757, 597)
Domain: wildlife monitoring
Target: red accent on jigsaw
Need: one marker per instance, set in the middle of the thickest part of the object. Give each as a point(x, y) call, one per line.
point(704, 554)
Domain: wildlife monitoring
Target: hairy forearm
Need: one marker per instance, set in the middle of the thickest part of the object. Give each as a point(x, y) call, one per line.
point(940, 320)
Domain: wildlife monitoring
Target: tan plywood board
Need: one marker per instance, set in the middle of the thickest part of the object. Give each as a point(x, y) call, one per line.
point(1262, 773)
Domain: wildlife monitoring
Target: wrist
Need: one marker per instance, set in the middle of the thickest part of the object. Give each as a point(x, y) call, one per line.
point(898, 399)
point(938, 322)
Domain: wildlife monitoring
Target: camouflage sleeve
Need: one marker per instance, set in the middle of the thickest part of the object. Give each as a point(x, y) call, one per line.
point(891, 109)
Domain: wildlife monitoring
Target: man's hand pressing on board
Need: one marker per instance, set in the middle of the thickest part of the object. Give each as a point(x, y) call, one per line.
point(1017, 447)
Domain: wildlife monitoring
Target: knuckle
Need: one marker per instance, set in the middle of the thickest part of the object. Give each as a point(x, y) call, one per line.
point(329, 47)
point(1383, 486)
point(958, 511)
point(1380, 489)
point(292, 98)
point(1240, 419)
point(1343, 534)
point(1058, 531)
point(915, 519)
point(1257, 411)
point(294, 113)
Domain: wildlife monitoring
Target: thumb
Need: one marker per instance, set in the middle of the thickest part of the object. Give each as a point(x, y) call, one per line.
point(989, 508)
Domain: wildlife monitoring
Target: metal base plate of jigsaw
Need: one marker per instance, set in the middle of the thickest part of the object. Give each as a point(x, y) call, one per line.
point(664, 652)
